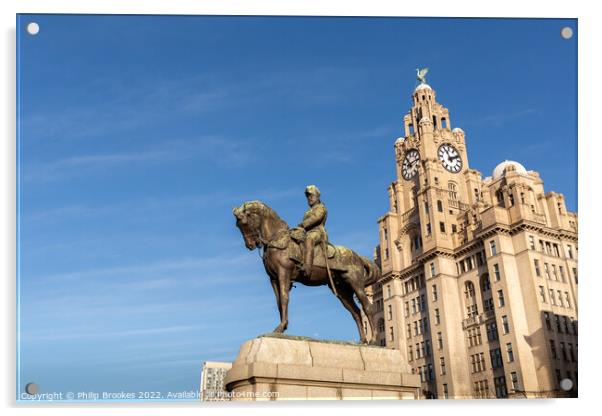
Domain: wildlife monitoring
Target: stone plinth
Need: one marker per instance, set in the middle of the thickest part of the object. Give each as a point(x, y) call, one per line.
point(278, 367)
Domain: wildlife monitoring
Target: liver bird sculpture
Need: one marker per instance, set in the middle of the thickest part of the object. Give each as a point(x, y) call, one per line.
point(421, 74)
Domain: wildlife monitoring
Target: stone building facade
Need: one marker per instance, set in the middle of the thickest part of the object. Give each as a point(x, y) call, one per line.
point(213, 375)
point(479, 285)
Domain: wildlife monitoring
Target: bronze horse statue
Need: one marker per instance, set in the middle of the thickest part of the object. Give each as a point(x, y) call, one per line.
point(261, 227)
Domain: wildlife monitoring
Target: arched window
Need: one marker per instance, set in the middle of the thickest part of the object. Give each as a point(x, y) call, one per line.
point(485, 283)
point(453, 190)
point(469, 290)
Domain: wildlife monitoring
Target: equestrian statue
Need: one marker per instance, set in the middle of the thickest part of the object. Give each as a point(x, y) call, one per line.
point(303, 254)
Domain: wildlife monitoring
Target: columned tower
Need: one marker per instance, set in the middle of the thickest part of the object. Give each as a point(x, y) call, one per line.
point(463, 257)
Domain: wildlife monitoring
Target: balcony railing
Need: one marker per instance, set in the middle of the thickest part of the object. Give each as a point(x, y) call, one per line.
point(406, 215)
point(478, 319)
point(454, 203)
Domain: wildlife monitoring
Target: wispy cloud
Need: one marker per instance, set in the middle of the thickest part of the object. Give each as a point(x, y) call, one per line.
point(233, 152)
point(158, 206)
point(85, 333)
point(499, 119)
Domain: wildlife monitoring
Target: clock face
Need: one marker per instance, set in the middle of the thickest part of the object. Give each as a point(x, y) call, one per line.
point(409, 168)
point(450, 158)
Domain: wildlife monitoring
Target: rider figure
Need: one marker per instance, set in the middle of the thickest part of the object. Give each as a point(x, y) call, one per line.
point(313, 223)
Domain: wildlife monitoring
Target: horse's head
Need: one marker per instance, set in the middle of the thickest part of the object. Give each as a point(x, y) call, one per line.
point(249, 217)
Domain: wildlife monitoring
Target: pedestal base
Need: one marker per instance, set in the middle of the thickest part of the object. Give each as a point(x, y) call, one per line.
point(279, 367)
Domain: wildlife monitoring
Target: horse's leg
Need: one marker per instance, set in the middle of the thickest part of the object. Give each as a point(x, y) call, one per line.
point(284, 284)
point(346, 297)
point(274, 283)
point(357, 283)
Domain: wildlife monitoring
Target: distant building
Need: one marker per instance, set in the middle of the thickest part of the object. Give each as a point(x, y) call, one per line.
point(212, 380)
point(479, 283)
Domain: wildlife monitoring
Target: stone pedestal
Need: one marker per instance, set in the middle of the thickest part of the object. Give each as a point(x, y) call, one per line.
point(279, 367)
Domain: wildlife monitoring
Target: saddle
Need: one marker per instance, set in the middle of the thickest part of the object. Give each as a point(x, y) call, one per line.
point(292, 241)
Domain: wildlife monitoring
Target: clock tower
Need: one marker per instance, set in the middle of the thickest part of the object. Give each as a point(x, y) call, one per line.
point(479, 276)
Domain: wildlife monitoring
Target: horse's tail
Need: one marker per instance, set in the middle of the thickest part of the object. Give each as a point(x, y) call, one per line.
point(372, 273)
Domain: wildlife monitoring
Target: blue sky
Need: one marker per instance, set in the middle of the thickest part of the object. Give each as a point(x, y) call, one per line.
point(138, 134)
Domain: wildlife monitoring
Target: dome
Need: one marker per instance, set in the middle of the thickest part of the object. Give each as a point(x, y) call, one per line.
point(399, 140)
point(500, 169)
point(423, 87)
point(458, 130)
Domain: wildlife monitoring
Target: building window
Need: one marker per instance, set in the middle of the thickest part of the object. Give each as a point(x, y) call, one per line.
point(406, 309)
point(433, 273)
point(553, 349)
point(571, 352)
point(385, 234)
point(445, 391)
point(453, 190)
point(532, 242)
point(560, 302)
point(496, 272)
point(469, 290)
point(500, 387)
point(568, 299)
point(492, 334)
point(434, 293)
point(426, 207)
point(442, 226)
point(488, 304)
point(537, 270)
point(427, 348)
point(500, 298)
point(563, 351)
point(410, 354)
point(485, 284)
point(509, 352)
point(439, 206)
point(442, 365)
point(391, 334)
point(547, 270)
point(505, 324)
point(570, 251)
point(547, 320)
point(437, 317)
point(558, 327)
point(454, 228)
point(409, 330)
point(493, 247)
point(428, 228)
point(561, 271)
point(575, 275)
point(390, 310)
point(439, 341)
point(552, 298)
point(496, 358)
point(514, 378)
point(542, 294)
point(554, 272)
